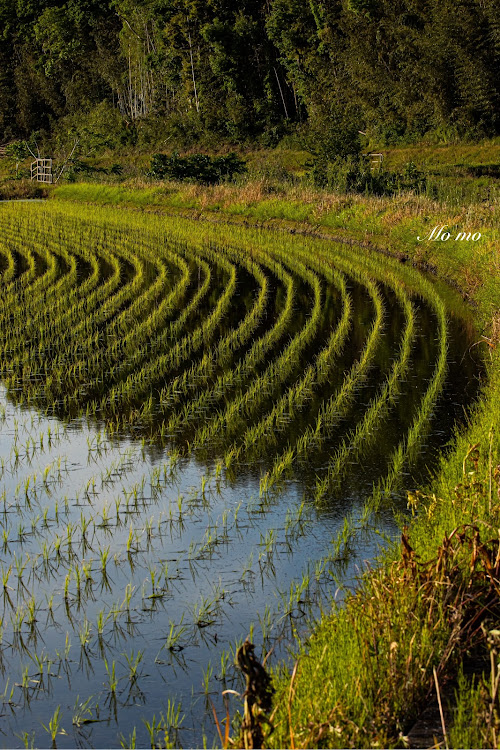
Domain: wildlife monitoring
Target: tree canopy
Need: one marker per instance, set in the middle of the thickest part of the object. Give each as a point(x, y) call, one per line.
point(251, 69)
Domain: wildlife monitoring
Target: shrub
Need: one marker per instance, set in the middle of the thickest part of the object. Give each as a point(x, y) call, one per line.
point(18, 150)
point(354, 174)
point(198, 167)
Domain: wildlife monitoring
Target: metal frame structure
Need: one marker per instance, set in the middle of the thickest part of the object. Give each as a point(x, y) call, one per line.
point(41, 170)
point(376, 161)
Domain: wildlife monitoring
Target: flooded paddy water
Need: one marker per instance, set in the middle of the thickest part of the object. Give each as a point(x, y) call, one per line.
point(190, 430)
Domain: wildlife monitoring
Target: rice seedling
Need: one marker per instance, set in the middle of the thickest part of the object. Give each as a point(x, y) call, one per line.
point(54, 725)
point(112, 680)
point(133, 662)
point(82, 712)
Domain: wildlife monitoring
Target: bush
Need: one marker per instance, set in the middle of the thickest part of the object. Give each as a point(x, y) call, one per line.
point(18, 150)
point(355, 175)
point(198, 167)
point(102, 128)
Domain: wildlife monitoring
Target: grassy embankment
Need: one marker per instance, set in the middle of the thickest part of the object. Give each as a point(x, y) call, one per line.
point(458, 173)
point(423, 619)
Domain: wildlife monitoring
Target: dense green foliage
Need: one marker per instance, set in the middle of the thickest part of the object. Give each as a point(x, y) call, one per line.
point(198, 167)
point(118, 72)
point(356, 174)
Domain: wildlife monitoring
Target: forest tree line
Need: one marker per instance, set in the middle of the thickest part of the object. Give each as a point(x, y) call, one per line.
point(251, 69)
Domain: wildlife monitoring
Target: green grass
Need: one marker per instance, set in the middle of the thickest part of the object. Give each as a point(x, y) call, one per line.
point(274, 208)
point(434, 157)
point(456, 173)
point(368, 670)
point(111, 194)
point(406, 216)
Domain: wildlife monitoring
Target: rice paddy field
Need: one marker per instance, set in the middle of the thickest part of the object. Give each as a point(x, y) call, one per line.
point(205, 431)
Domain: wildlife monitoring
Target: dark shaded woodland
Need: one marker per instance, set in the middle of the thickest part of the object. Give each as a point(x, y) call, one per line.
point(127, 70)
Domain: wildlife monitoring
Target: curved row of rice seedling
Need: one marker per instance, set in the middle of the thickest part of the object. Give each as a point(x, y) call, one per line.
point(336, 406)
point(332, 411)
point(202, 370)
point(139, 382)
point(25, 367)
point(72, 331)
point(227, 424)
point(53, 286)
point(117, 306)
point(155, 340)
point(137, 326)
point(45, 311)
point(128, 319)
point(8, 263)
point(23, 277)
point(16, 293)
point(224, 349)
point(364, 433)
point(407, 450)
point(60, 247)
point(68, 316)
point(62, 243)
point(198, 377)
point(42, 282)
point(263, 434)
point(233, 378)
